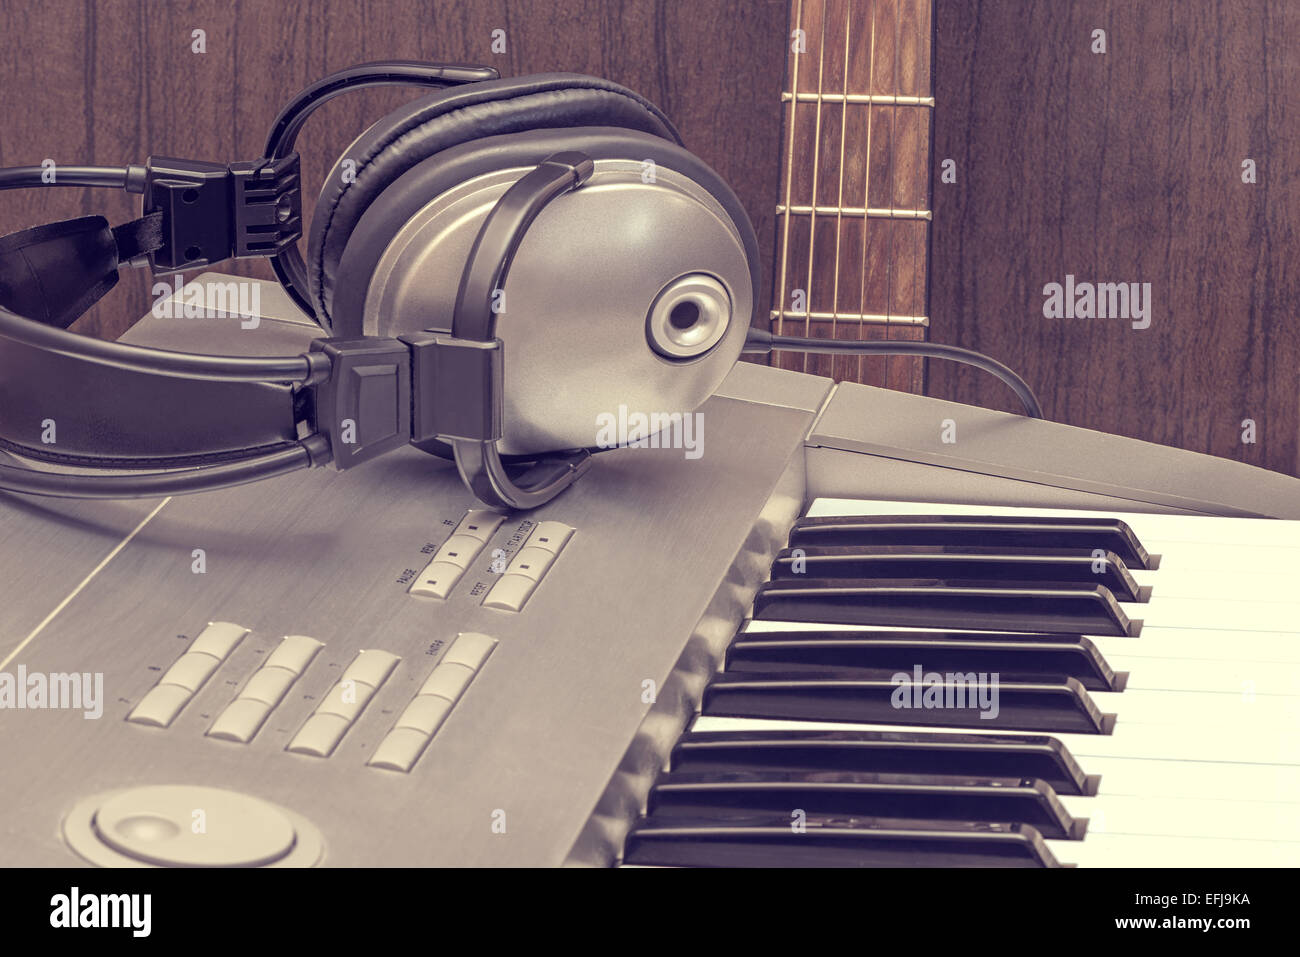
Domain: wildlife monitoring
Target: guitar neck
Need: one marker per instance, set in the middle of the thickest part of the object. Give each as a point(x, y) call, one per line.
point(853, 213)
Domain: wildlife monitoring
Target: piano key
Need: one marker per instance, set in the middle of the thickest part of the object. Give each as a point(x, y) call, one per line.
point(1053, 705)
point(835, 842)
point(1214, 612)
point(896, 751)
point(1143, 850)
point(957, 563)
point(1239, 677)
point(1150, 742)
point(1175, 816)
point(815, 652)
point(990, 531)
point(1152, 528)
point(933, 603)
point(1254, 651)
point(1212, 781)
point(729, 796)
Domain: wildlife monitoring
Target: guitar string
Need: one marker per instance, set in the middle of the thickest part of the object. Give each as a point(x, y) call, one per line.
point(816, 168)
point(789, 176)
point(893, 144)
point(839, 202)
point(866, 188)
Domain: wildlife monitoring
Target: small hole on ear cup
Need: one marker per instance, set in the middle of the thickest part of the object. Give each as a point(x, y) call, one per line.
point(194, 252)
point(685, 314)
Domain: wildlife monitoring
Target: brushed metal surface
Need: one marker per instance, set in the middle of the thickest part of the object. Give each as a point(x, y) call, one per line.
point(540, 731)
point(580, 289)
point(911, 428)
point(556, 731)
point(47, 548)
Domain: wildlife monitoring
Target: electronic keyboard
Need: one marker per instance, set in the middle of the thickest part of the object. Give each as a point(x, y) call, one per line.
point(1147, 720)
point(781, 650)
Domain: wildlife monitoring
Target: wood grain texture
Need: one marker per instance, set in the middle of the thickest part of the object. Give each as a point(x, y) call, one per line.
point(1125, 166)
point(109, 82)
point(839, 156)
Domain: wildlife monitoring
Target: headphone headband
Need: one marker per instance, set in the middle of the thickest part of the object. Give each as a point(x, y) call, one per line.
point(348, 400)
point(287, 262)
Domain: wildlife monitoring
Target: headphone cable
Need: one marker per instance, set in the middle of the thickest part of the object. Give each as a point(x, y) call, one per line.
point(761, 342)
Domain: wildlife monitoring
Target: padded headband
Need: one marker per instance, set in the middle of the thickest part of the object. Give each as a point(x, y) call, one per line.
point(414, 132)
point(104, 415)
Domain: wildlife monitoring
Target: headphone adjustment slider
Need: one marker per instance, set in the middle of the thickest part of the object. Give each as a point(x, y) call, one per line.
point(211, 213)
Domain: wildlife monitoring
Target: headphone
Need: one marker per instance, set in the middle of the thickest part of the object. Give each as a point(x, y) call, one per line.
point(632, 276)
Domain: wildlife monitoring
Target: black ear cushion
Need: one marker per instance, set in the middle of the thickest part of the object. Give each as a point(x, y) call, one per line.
point(405, 196)
point(449, 118)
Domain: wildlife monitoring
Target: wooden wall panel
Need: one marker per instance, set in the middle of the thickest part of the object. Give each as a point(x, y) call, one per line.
point(107, 82)
point(1125, 166)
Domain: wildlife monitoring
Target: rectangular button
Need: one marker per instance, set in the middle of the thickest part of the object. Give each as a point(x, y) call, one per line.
point(240, 721)
point(219, 639)
point(160, 706)
point(346, 699)
point(294, 653)
point(510, 592)
point(531, 562)
point(268, 685)
point(437, 580)
point(320, 735)
point(448, 680)
point(459, 550)
point(479, 523)
point(372, 666)
point(550, 536)
point(425, 714)
point(190, 671)
point(399, 750)
point(470, 649)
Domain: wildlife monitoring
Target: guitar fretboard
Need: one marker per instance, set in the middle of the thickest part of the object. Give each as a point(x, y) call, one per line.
point(853, 214)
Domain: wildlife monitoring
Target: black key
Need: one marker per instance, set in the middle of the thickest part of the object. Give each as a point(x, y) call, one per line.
point(936, 603)
point(896, 752)
point(962, 563)
point(1060, 705)
point(734, 795)
point(835, 842)
point(987, 531)
point(850, 652)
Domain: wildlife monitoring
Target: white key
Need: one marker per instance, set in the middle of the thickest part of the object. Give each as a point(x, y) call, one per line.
point(1154, 742)
point(1128, 850)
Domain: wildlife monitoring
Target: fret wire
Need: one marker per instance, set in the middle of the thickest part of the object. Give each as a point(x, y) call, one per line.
point(869, 99)
point(817, 145)
point(855, 212)
point(789, 169)
point(839, 201)
point(869, 318)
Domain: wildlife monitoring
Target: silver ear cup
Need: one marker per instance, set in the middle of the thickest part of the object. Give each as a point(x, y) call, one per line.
point(634, 291)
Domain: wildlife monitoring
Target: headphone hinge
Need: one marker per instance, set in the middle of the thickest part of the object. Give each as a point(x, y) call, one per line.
point(211, 213)
point(364, 407)
point(456, 387)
